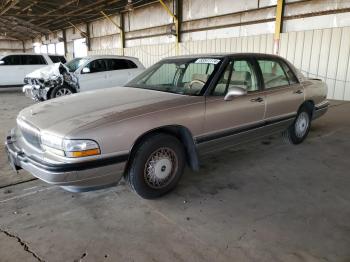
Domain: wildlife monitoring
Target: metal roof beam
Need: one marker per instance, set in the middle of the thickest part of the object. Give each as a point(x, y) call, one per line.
point(8, 5)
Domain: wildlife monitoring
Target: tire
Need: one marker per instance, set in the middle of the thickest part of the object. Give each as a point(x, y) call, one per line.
point(298, 131)
point(59, 91)
point(157, 166)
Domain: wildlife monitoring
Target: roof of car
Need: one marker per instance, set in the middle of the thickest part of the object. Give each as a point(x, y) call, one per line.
point(222, 55)
point(109, 56)
point(21, 54)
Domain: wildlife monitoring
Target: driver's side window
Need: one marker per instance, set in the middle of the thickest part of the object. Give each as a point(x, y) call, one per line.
point(238, 73)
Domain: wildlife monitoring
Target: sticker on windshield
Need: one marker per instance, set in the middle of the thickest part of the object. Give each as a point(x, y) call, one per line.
point(207, 61)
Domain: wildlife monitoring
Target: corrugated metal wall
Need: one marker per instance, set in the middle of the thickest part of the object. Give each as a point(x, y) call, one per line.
point(323, 53)
point(10, 46)
point(150, 54)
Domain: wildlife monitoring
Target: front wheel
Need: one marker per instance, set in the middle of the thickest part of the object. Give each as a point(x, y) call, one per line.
point(300, 128)
point(61, 91)
point(157, 166)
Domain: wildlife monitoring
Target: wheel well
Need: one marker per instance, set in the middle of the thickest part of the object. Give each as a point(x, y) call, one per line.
point(181, 133)
point(310, 105)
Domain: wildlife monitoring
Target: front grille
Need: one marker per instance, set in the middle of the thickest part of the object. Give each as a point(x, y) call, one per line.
point(29, 133)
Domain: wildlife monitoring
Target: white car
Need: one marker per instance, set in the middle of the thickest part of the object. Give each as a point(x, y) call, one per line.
point(14, 67)
point(104, 71)
point(81, 74)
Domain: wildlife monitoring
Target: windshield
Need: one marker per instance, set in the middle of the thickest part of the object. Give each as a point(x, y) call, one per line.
point(181, 76)
point(74, 64)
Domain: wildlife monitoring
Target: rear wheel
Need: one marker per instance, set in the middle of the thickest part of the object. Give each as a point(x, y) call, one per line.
point(157, 166)
point(298, 131)
point(61, 91)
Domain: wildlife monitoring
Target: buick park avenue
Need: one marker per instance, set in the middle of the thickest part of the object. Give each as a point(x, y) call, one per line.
point(163, 120)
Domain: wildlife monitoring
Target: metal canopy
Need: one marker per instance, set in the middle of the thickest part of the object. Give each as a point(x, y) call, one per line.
point(26, 19)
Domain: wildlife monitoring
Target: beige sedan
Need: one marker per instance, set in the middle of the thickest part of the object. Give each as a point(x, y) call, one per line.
point(162, 120)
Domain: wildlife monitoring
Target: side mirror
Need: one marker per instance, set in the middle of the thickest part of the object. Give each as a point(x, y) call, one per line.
point(2, 62)
point(85, 70)
point(233, 92)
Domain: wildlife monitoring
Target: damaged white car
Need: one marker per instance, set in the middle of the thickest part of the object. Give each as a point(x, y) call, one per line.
point(81, 74)
point(50, 82)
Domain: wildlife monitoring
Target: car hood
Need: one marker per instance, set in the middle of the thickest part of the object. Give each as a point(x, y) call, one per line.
point(46, 72)
point(95, 108)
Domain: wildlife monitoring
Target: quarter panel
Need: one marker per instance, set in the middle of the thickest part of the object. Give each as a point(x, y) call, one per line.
point(315, 90)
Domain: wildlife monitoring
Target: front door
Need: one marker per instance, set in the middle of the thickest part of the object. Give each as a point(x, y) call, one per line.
point(227, 120)
point(95, 77)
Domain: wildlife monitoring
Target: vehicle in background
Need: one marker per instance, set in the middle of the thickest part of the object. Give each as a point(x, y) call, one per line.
point(162, 120)
point(14, 67)
point(81, 74)
point(51, 81)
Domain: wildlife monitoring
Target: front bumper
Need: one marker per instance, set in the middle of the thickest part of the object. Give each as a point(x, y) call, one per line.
point(35, 92)
point(320, 109)
point(75, 177)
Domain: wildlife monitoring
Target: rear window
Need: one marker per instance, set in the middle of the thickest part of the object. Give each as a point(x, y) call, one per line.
point(119, 64)
point(57, 59)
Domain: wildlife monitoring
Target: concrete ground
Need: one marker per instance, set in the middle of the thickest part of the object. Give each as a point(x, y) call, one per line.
point(266, 201)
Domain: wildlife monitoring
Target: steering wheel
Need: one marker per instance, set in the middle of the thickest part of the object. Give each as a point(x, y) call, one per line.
point(196, 81)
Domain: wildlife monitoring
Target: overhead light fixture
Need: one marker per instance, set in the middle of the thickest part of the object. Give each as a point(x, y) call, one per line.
point(129, 6)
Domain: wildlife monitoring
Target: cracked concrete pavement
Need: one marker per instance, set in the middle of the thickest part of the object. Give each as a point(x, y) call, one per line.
point(25, 246)
point(266, 201)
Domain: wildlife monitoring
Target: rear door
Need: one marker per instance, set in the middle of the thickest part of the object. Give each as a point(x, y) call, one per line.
point(284, 94)
point(224, 119)
point(96, 78)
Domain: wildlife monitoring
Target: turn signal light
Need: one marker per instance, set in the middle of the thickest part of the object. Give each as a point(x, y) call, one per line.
point(90, 152)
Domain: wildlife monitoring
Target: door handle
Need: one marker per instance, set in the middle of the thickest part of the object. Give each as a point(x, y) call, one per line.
point(298, 91)
point(258, 99)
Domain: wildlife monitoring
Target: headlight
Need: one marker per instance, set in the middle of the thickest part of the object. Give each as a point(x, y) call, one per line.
point(80, 148)
point(69, 148)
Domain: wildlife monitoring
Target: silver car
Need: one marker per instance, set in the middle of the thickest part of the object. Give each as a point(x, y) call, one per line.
point(163, 120)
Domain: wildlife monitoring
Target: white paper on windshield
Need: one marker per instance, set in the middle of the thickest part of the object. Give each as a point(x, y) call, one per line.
point(207, 61)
